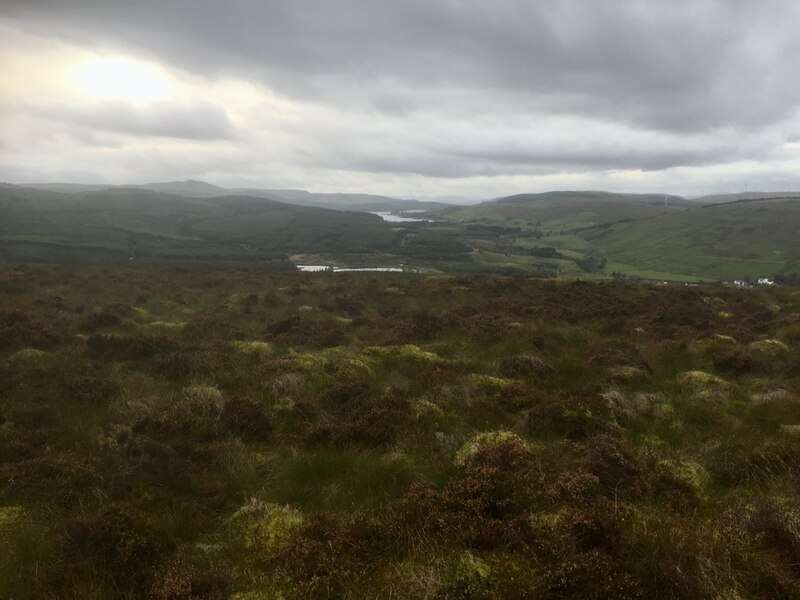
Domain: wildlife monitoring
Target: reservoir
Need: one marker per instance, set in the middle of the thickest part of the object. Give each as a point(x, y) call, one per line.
point(321, 268)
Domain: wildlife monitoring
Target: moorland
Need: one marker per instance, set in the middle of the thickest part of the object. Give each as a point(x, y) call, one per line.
point(200, 434)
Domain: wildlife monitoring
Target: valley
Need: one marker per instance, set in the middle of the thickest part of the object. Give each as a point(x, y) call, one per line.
point(587, 235)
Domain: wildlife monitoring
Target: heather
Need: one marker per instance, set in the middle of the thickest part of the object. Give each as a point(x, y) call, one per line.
point(202, 434)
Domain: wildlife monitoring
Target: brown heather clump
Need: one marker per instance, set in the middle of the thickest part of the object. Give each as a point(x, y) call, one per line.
point(329, 552)
point(137, 347)
point(197, 434)
point(99, 391)
point(572, 415)
point(523, 365)
point(120, 536)
point(246, 418)
point(182, 581)
point(489, 501)
point(592, 575)
point(357, 415)
point(486, 506)
point(18, 329)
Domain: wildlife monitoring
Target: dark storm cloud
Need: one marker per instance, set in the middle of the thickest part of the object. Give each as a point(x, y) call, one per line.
point(711, 68)
point(201, 121)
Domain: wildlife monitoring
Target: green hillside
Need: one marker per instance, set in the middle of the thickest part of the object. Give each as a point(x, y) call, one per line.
point(596, 234)
point(723, 198)
point(200, 189)
point(556, 234)
point(115, 226)
point(723, 241)
point(555, 211)
point(539, 234)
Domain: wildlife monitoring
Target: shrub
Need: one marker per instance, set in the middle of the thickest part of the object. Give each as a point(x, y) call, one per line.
point(678, 482)
point(19, 329)
point(777, 528)
point(179, 580)
point(741, 460)
point(327, 552)
point(355, 415)
point(572, 415)
point(484, 441)
point(246, 418)
point(99, 391)
point(592, 575)
point(524, 365)
point(488, 502)
point(418, 517)
point(133, 347)
point(122, 540)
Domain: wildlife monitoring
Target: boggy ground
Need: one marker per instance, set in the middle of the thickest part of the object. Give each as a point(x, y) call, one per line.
point(199, 435)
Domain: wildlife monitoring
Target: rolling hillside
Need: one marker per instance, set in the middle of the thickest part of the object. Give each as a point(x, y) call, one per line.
point(359, 202)
point(555, 234)
point(200, 189)
point(594, 234)
point(722, 198)
point(117, 225)
point(551, 211)
point(539, 234)
point(723, 241)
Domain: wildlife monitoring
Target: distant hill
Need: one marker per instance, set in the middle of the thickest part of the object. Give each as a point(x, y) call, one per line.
point(721, 198)
point(365, 202)
point(719, 241)
point(200, 189)
point(66, 188)
point(115, 225)
point(567, 210)
point(189, 188)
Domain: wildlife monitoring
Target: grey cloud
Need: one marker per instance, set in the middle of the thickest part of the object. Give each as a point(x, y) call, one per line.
point(480, 163)
point(685, 65)
point(477, 154)
point(164, 119)
point(570, 159)
point(694, 82)
point(423, 144)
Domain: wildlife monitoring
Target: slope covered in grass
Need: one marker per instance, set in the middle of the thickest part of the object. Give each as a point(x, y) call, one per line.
point(554, 211)
point(750, 238)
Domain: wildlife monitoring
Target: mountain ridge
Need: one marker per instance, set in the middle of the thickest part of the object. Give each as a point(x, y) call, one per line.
point(193, 188)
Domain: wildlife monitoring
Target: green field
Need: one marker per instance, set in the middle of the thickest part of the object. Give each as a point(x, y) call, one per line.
point(724, 241)
point(638, 237)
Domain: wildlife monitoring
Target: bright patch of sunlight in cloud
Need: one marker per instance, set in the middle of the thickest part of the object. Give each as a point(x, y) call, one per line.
point(119, 78)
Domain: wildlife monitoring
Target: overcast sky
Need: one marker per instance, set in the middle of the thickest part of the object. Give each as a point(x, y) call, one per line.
point(413, 98)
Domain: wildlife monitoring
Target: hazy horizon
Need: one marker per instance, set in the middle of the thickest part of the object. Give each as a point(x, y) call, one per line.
point(450, 199)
